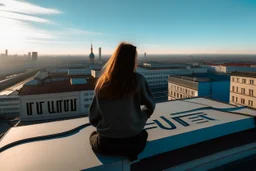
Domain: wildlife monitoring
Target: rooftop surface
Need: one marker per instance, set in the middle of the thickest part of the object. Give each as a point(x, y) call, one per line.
point(240, 63)
point(204, 77)
point(161, 68)
point(191, 81)
point(58, 83)
point(174, 125)
point(244, 74)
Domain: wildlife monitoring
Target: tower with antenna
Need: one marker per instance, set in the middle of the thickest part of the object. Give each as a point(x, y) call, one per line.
point(145, 56)
point(100, 55)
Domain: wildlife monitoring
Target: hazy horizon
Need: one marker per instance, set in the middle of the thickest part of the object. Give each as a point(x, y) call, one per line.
point(155, 27)
point(104, 54)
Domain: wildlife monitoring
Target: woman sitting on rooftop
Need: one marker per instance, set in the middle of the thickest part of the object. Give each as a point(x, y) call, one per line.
point(116, 108)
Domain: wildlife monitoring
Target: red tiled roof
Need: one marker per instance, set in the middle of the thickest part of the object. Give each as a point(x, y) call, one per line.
point(58, 86)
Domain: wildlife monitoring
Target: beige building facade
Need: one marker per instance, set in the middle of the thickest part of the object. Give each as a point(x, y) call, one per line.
point(176, 91)
point(243, 89)
point(180, 88)
point(212, 86)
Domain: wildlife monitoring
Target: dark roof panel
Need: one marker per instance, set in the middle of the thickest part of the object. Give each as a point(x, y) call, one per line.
point(61, 85)
point(244, 74)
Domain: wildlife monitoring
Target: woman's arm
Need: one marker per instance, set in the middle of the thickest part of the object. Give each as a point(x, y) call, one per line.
point(147, 99)
point(94, 114)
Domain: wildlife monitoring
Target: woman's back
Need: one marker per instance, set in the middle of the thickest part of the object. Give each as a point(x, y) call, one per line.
point(122, 117)
point(116, 108)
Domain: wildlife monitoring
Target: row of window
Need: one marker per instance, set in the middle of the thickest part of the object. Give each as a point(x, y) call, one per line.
point(10, 113)
point(9, 109)
point(178, 95)
point(86, 106)
point(242, 101)
point(87, 94)
point(88, 99)
point(244, 81)
point(9, 99)
point(153, 78)
point(9, 104)
point(157, 85)
point(182, 89)
point(243, 90)
point(160, 81)
point(162, 73)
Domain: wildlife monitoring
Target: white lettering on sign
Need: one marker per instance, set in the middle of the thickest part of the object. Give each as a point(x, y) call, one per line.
point(184, 120)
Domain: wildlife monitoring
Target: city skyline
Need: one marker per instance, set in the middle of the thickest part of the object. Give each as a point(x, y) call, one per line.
point(155, 27)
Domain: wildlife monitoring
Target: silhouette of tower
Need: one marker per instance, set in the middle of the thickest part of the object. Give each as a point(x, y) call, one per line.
point(91, 56)
point(100, 55)
point(145, 56)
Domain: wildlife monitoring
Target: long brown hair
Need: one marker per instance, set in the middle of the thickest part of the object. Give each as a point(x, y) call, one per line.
point(117, 77)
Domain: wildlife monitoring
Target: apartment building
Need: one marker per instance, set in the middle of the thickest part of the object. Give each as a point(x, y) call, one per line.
point(177, 90)
point(157, 73)
point(9, 106)
point(228, 69)
point(213, 86)
point(243, 89)
point(56, 95)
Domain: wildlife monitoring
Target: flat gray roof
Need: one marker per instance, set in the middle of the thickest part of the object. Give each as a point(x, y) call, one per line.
point(170, 127)
point(244, 74)
point(183, 82)
point(191, 81)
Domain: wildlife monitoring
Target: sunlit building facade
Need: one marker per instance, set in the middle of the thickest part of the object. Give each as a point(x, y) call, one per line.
point(56, 95)
point(243, 89)
point(199, 85)
point(157, 73)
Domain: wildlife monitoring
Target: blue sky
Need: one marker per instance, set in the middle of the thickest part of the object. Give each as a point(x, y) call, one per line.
point(154, 26)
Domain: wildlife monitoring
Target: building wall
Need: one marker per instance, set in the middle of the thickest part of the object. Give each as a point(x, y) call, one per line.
point(79, 71)
point(204, 89)
point(159, 78)
point(162, 65)
point(198, 70)
point(237, 96)
point(214, 69)
point(55, 105)
point(216, 90)
point(220, 91)
point(241, 69)
point(179, 92)
point(9, 106)
point(86, 98)
point(95, 73)
point(228, 69)
point(57, 70)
